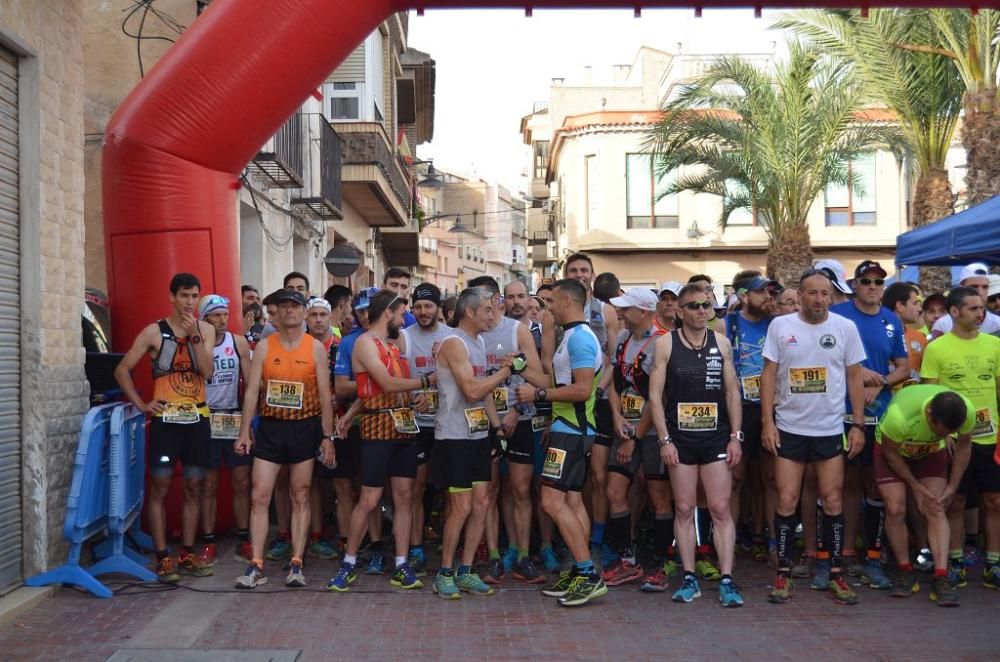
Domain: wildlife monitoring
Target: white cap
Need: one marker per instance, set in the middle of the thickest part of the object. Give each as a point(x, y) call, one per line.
point(840, 282)
point(994, 285)
point(671, 286)
point(974, 270)
point(319, 302)
point(637, 297)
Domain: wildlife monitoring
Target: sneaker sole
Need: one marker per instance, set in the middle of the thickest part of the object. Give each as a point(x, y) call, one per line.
point(687, 601)
point(552, 594)
point(337, 589)
point(603, 590)
point(244, 587)
point(906, 594)
point(618, 581)
point(944, 603)
point(453, 596)
point(653, 588)
point(847, 602)
point(295, 583)
point(776, 600)
point(405, 587)
point(484, 594)
point(732, 604)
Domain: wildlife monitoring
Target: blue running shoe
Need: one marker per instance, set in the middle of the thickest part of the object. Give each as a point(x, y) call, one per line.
point(509, 559)
point(404, 577)
point(445, 587)
point(875, 576)
point(376, 565)
point(688, 591)
point(822, 576)
point(956, 575)
point(471, 583)
point(342, 581)
point(729, 594)
point(550, 561)
point(280, 549)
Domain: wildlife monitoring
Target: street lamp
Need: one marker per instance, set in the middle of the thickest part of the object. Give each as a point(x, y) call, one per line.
point(431, 178)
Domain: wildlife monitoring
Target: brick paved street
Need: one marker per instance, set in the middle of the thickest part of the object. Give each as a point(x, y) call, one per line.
point(375, 621)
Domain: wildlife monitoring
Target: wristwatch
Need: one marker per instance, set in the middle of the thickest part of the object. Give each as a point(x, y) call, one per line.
point(665, 441)
point(885, 382)
point(739, 436)
point(540, 395)
point(860, 426)
point(599, 393)
point(195, 339)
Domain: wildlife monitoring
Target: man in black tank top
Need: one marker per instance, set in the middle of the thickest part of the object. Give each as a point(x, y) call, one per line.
point(695, 402)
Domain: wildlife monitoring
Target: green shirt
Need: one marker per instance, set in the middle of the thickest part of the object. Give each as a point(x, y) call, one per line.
point(905, 421)
point(969, 367)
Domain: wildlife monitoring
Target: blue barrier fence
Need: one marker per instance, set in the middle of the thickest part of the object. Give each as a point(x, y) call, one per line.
point(105, 496)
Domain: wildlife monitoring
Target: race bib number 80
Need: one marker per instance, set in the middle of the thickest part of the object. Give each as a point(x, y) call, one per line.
point(552, 468)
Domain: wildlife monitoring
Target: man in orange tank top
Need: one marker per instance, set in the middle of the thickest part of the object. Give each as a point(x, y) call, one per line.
point(290, 377)
point(181, 351)
point(388, 436)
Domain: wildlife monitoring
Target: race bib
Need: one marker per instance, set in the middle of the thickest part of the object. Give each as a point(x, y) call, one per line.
point(225, 426)
point(539, 423)
point(984, 423)
point(915, 451)
point(751, 387)
point(432, 401)
point(404, 421)
point(807, 380)
point(500, 399)
point(632, 406)
point(697, 416)
point(552, 468)
point(478, 422)
point(286, 395)
point(180, 412)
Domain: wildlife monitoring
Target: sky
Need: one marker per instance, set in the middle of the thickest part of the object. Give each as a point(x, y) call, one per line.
point(493, 65)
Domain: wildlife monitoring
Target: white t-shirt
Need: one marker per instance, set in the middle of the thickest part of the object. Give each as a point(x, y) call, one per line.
point(990, 325)
point(812, 372)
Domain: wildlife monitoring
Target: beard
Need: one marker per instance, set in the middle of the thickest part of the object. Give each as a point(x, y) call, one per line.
point(393, 330)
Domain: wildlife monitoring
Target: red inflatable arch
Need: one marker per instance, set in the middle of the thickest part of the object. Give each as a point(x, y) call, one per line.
point(175, 146)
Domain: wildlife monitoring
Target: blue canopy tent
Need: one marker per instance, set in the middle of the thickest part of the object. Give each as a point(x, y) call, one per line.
point(972, 235)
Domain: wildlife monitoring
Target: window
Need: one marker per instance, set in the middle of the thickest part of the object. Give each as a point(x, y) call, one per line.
point(593, 191)
point(345, 101)
point(541, 158)
point(853, 204)
point(645, 208)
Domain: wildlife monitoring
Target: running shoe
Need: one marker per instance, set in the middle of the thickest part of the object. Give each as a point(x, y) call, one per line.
point(621, 572)
point(906, 584)
point(943, 594)
point(190, 564)
point(840, 591)
point(822, 576)
point(875, 576)
point(804, 567)
point(209, 552)
point(166, 570)
point(688, 591)
point(471, 583)
point(582, 590)
point(729, 594)
point(494, 572)
point(706, 570)
point(280, 549)
point(854, 568)
point(991, 576)
point(629, 554)
point(670, 568)
point(559, 588)
point(376, 564)
point(322, 549)
point(342, 581)
point(925, 561)
point(509, 559)
point(252, 578)
point(655, 581)
point(758, 552)
point(956, 575)
point(295, 577)
point(526, 571)
point(782, 591)
point(445, 588)
point(244, 551)
point(404, 577)
point(418, 564)
point(550, 561)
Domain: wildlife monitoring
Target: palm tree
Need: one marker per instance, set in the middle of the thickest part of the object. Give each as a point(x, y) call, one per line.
point(923, 88)
point(768, 143)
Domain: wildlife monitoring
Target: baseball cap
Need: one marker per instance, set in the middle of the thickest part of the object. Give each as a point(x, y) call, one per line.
point(671, 286)
point(318, 302)
point(994, 285)
point(837, 273)
point(637, 297)
point(974, 270)
point(211, 303)
point(937, 297)
point(363, 298)
point(867, 267)
point(427, 292)
point(279, 296)
point(758, 283)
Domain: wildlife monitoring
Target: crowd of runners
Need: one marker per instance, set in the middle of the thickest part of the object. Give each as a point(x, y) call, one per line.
point(584, 435)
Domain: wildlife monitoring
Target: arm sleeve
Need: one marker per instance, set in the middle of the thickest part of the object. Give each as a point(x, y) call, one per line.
point(583, 351)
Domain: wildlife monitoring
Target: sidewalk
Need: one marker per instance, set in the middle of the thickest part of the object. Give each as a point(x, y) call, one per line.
point(375, 620)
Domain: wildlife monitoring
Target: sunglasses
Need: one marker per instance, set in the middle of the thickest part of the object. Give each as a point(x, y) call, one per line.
point(871, 281)
point(695, 305)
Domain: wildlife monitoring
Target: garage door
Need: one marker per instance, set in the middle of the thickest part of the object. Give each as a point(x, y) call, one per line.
point(10, 335)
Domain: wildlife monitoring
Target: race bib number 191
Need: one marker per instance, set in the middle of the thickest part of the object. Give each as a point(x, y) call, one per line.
point(807, 380)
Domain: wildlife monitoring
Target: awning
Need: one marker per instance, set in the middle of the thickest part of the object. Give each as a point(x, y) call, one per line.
point(969, 236)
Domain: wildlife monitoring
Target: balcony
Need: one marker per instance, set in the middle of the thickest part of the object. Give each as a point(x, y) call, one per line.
point(544, 254)
point(279, 161)
point(322, 198)
point(427, 259)
point(539, 189)
point(402, 244)
point(375, 181)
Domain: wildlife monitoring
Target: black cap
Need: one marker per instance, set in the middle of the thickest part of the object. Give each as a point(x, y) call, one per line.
point(278, 296)
point(427, 292)
point(869, 266)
